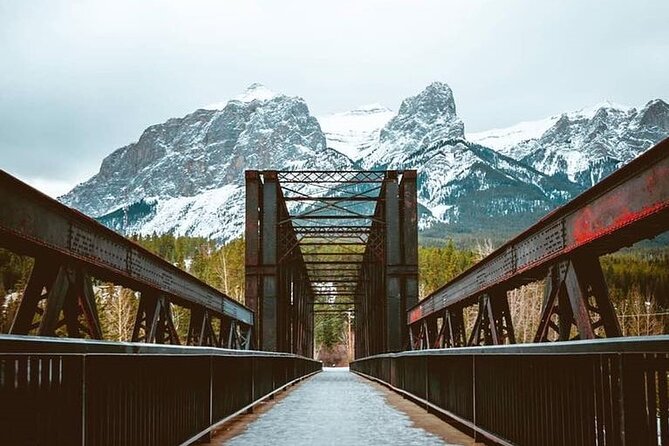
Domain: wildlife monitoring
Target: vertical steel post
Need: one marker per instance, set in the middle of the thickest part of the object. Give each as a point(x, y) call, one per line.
point(409, 223)
point(54, 302)
point(252, 247)
point(269, 239)
point(589, 271)
point(393, 305)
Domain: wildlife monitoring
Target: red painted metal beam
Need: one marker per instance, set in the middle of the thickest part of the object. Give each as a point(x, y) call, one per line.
point(630, 205)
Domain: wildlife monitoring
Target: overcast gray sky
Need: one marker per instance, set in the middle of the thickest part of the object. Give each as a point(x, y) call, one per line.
point(79, 79)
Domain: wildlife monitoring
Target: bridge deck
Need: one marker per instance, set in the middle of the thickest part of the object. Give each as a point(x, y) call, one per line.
point(339, 407)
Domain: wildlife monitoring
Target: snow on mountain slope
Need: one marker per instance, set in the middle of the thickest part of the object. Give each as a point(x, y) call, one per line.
point(255, 92)
point(421, 120)
point(186, 175)
point(585, 145)
point(355, 131)
point(588, 147)
point(427, 135)
point(460, 181)
point(504, 140)
point(201, 215)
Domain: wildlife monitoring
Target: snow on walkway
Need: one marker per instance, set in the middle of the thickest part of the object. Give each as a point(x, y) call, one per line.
point(335, 407)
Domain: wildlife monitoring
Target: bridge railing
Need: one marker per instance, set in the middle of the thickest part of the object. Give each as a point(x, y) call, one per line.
point(66, 392)
point(604, 392)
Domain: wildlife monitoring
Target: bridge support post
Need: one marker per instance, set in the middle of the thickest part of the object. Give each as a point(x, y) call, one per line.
point(154, 323)
point(576, 300)
point(394, 310)
point(200, 329)
point(409, 245)
point(493, 325)
point(268, 238)
point(457, 337)
point(277, 281)
point(425, 335)
point(69, 292)
point(452, 330)
point(252, 247)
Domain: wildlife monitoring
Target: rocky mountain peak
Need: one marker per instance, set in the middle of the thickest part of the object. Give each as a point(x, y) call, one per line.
point(585, 145)
point(655, 114)
point(422, 120)
point(206, 152)
point(185, 175)
point(435, 101)
point(255, 92)
point(607, 106)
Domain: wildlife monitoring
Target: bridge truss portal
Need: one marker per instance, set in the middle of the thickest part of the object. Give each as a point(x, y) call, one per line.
point(334, 242)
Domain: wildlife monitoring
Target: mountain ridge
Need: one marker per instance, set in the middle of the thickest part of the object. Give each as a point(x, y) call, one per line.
point(185, 176)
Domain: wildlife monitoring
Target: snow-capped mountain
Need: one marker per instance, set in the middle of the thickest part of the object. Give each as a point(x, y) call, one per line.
point(421, 120)
point(185, 175)
point(254, 92)
point(460, 181)
point(354, 132)
point(507, 140)
point(427, 135)
point(585, 145)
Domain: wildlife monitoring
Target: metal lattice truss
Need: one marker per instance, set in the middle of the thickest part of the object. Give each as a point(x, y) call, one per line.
point(332, 211)
point(562, 249)
point(70, 251)
point(331, 230)
point(332, 177)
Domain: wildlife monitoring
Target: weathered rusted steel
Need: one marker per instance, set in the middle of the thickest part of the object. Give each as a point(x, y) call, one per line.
point(630, 205)
point(275, 270)
point(331, 176)
point(252, 245)
point(409, 221)
point(604, 392)
point(394, 310)
point(33, 224)
point(73, 392)
point(68, 291)
point(319, 255)
point(269, 241)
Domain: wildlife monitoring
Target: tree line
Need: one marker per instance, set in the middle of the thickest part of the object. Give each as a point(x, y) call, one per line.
point(638, 281)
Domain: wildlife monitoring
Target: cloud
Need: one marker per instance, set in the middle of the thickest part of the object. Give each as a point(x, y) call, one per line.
point(79, 82)
point(52, 188)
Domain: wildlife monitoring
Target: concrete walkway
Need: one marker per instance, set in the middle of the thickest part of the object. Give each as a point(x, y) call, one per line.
point(335, 407)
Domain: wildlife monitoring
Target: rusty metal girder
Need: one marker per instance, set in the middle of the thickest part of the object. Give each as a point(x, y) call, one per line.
point(630, 205)
point(316, 176)
point(33, 224)
point(330, 209)
point(68, 291)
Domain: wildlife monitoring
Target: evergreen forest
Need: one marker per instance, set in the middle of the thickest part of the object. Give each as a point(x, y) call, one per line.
point(638, 281)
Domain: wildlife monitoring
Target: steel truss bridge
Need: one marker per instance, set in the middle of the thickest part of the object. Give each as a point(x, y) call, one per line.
point(321, 241)
point(331, 241)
